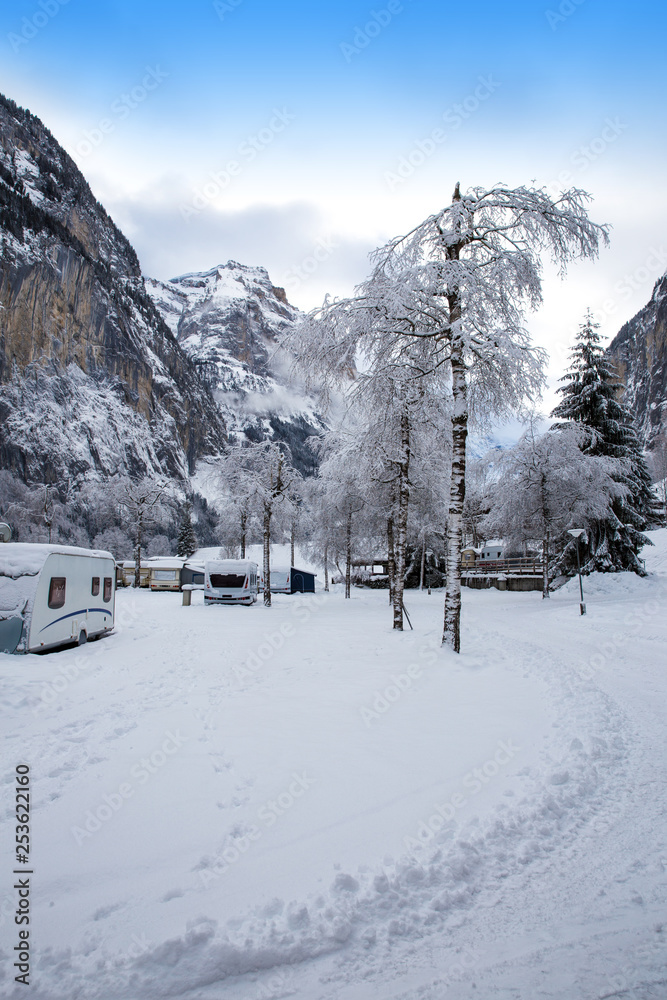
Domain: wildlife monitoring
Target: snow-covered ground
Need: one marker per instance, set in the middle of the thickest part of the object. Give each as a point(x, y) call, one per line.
point(246, 803)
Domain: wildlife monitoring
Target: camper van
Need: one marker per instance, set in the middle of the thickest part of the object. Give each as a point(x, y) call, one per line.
point(230, 581)
point(164, 572)
point(54, 595)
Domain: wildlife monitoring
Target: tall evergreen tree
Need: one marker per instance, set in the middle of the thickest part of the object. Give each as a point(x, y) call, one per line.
point(187, 540)
point(590, 398)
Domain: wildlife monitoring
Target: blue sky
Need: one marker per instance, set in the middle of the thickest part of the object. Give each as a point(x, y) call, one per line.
point(299, 136)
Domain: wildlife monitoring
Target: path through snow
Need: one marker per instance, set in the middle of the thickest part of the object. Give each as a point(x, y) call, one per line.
point(245, 803)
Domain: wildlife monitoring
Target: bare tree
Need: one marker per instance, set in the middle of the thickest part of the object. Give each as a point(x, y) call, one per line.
point(140, 503)
point(343, 493)
point(547, 485)
point(270, 483)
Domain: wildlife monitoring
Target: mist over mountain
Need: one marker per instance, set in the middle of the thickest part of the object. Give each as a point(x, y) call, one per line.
point(229, 320)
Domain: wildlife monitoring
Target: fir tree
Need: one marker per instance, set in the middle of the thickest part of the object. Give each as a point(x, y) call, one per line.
point(187, 541)
point(590, 398)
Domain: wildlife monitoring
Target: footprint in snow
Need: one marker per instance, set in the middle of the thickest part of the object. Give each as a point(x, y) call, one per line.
point(172, 894)
point(106, 911)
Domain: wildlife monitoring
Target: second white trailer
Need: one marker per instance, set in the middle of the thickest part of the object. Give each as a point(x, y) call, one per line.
point(230, 581)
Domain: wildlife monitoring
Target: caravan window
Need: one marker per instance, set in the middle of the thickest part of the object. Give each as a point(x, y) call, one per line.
point(57, 589)
point(165, 574)
point(107, 588)
point(96, 586)
point(227, 580)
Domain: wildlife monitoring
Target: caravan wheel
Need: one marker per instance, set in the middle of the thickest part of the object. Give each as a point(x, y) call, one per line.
point(83, 638)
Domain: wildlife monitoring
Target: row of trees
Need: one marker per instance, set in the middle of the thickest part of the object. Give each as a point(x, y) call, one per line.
point(128, 517)
point(442, 316)
point(587, 471)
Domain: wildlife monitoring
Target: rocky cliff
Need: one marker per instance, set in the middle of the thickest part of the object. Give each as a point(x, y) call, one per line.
point(639, 350)
point(92, 380)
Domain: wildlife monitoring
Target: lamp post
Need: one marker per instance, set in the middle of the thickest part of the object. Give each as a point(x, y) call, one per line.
point(577, 533)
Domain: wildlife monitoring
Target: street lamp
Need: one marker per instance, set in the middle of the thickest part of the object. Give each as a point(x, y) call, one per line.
point(577, 533)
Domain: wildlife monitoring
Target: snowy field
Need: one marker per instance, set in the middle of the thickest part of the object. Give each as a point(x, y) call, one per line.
point(243, 803)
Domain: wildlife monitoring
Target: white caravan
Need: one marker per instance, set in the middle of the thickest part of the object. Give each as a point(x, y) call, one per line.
point(54, 595)
point(230, 581)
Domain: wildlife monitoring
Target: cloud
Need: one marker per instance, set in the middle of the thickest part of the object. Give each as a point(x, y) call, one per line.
point(173, 235)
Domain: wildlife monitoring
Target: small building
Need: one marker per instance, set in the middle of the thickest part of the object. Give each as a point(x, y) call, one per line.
point(374, 567)
point(292, 581)
point(469, 557)
point(492, 551)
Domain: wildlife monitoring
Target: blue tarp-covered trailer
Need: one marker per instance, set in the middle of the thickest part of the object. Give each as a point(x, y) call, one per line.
point(292, 581)
point(192, 575)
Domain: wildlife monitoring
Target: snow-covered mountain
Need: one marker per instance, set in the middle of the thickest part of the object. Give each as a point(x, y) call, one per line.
point(228, 320)
point(92, 381)
point(639, 350)
point(103, 371)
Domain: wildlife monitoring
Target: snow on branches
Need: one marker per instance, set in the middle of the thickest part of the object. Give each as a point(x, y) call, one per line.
point(447, 300)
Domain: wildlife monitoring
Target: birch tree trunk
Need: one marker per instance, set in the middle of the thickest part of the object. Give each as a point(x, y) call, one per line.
point(267, 555)
point(137, 550)
point(452, 630)
point(402, 525)
point(326, 566)
point(545, 564)
point(292, 543)
point(423, 563)
point(391, 565)
point(451, 635)
point(244, 525)
point(348, 553)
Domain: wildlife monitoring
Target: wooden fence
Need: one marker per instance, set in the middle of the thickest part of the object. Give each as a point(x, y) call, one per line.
point(516, 567)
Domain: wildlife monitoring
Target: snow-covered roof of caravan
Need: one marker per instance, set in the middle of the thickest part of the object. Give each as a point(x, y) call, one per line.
point(164, 562)
point(27, 558)
point(229, 565)
point(291, 569)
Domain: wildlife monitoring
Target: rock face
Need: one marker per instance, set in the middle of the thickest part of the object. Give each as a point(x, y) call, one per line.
point(228, 321)
point(639, 350)
point(92, 380)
